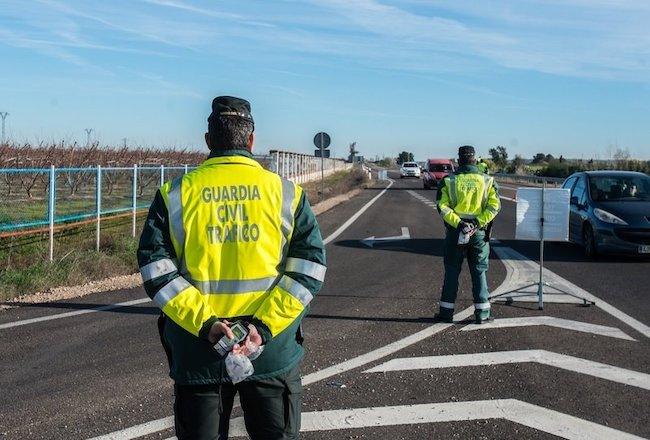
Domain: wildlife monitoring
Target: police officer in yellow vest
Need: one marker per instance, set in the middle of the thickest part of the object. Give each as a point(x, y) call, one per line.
point(467, 200)
point(231, 241)
point(483, 166)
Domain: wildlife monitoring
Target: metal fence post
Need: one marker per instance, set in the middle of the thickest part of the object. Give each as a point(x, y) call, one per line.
point(162, 175)
point(135, 197)
point(51, 209)
point(185, 169)
point(98, 203)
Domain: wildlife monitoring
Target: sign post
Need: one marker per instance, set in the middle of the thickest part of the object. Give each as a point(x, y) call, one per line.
point(322, 141)
point(542, 214)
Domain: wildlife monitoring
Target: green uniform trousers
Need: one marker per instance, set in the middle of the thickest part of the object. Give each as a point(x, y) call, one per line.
point(271, 408)
point(478, 254)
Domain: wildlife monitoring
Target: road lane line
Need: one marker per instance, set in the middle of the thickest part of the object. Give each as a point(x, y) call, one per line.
point(358, 214)
point(552, 321)
point(384, 351)
point(524, 271)
point(516, 411)
point(544, 357)
point(90, 309)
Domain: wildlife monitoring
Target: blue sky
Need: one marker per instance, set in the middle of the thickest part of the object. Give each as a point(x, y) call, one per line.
point(565, 77)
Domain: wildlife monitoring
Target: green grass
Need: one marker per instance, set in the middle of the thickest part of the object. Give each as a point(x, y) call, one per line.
point(24, 265)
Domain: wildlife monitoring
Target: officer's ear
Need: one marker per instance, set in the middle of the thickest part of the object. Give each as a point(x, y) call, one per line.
point(251, 141)
point(207, 140)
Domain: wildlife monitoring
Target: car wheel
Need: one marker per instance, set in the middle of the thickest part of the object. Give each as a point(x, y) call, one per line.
point(589, 241)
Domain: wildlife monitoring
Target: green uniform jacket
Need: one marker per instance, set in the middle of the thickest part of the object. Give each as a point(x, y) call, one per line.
point(192, 359)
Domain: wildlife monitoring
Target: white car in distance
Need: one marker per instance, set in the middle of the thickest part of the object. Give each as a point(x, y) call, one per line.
point(409, 169)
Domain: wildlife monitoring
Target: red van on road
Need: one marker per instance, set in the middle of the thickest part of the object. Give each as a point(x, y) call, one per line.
point(435, 170)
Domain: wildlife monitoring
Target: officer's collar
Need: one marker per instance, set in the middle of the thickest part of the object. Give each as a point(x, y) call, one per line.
point(468, 169)
point(231, 156)
point(222, 153)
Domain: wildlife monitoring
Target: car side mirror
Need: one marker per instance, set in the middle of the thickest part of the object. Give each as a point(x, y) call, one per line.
point(574, 201)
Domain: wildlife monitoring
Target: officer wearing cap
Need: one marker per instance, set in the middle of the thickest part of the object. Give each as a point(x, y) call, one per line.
point(231, 241)
point(482, 166)
point(467, 200)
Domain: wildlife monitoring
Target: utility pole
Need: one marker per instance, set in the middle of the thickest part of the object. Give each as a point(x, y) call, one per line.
point(3, 115)
point(88, 131)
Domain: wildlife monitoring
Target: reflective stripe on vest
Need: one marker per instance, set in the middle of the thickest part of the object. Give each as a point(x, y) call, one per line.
point(288, 193)
point(157, 269)
point(306, 267)
point(486, 190)
point(452, 190)
point(297, 290)
point(234, 286)
point(170, 290)
point(175, 211)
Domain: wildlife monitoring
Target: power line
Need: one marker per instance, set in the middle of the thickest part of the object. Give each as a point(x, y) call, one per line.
point(3, 115)
point(88, 131)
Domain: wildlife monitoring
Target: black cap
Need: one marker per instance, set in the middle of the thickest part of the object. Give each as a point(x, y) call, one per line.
point(466, 151)
point(230, 106)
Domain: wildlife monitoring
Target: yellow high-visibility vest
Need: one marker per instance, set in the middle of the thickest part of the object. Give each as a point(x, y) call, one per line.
point(230, 224)
point(467, 196)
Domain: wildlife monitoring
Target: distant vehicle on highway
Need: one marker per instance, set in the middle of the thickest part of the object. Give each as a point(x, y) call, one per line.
point(436, 170)
point(610, 211)
point(409, 169)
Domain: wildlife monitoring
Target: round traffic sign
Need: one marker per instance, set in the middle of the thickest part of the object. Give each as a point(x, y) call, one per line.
point(322, 140)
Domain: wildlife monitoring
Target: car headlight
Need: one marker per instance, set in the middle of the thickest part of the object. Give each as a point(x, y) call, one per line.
point(608, 217)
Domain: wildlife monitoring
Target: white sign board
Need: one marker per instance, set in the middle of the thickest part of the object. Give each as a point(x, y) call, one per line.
point(529, 213)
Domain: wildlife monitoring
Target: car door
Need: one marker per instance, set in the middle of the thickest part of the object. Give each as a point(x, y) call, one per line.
point(577, 212)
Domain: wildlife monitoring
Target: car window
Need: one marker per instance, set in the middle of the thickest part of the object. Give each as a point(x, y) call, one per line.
point(579, 191)
point(410, 165)
point(619, 187)
point(568, 184)
point(440, 167)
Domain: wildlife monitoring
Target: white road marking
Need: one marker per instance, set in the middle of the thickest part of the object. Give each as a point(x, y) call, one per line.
point(352, 219)
point(524, 413)
point(370, 241)
point(552, 321)
point(90, 309)
point(384, 351)
point(565, 362)
point(522, 271)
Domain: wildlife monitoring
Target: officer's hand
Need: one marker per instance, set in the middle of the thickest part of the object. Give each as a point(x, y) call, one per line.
point(250, 344)
point(219, 329)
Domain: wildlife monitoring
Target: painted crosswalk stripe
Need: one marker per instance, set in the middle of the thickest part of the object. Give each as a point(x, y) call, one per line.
point(551, 321)
point(524, 413)
point(544, 357)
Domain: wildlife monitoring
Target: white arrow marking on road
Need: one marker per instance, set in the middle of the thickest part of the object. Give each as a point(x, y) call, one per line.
point(370, 241)
point(569, 363)
point(523, 413)
point(552, 321)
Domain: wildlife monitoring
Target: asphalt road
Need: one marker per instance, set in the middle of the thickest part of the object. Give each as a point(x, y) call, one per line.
point(375, 366)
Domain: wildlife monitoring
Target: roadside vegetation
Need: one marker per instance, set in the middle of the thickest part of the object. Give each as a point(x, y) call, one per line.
point(549, 166)
point(24, 265)
point(336, 184)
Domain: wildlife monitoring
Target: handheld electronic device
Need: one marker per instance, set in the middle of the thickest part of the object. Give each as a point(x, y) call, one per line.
point(225, 344)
